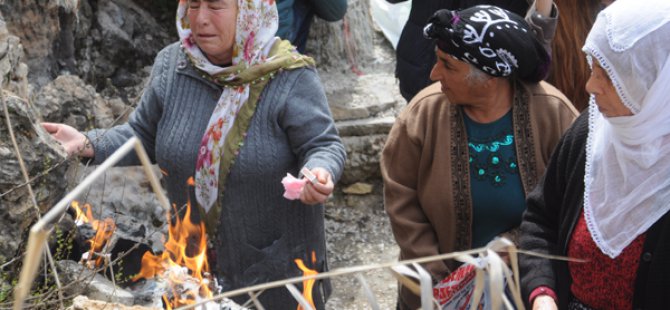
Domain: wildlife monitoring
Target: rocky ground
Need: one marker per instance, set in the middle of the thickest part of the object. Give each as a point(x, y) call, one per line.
point(358, 230)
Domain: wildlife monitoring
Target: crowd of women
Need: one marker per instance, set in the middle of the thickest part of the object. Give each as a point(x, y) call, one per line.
point(483, 147)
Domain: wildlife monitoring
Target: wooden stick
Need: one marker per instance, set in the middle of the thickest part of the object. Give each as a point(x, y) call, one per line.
point(362, 268)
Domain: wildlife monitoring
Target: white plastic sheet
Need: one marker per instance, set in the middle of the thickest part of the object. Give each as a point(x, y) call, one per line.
point(390, 18)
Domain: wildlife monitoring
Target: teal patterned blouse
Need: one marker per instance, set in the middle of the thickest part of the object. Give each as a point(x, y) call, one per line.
point(495, 185)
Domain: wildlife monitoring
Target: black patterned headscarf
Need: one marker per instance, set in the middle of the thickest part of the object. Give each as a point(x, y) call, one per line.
point(495, 40)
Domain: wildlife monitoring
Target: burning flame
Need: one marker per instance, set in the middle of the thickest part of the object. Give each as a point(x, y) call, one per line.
point(186, 247)
point(307, 285)
point(103, 231)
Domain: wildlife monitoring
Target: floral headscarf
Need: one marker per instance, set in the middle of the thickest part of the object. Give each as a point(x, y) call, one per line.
point(257, 55)
point(496, 41)
point(627, 180)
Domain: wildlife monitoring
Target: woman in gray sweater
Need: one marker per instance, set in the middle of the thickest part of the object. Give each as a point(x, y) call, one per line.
point(236, 108)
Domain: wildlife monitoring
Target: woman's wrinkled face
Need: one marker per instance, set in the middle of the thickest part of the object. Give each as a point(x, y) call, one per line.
point(453, 75)
point(213, 25)
point(608, 101)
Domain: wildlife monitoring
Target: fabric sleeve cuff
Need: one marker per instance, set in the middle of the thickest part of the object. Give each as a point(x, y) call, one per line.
point(536, 17)
point(542, 290)
point(94, 138)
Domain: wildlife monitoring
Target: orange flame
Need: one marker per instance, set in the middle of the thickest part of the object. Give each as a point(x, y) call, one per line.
point(307, 285)
point(186, 247)
point(81, 216)
point(103, 230)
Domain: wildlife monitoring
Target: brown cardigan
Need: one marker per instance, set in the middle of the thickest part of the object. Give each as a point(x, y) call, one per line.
point(427, 178)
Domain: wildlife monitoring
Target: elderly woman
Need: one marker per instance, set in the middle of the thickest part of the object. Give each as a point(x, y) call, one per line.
point(237, 108)
point(606, 193)
point(462, 155)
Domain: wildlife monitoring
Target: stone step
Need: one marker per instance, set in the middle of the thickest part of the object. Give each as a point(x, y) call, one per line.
point(365, 127)
point(361, 97)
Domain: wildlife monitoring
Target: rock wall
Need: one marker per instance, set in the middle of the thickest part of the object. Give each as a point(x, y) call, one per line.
point(45, 163)
point(36, 24)
point(96, 40)
point(43, 159)
point(343, 44)
point(14, 73)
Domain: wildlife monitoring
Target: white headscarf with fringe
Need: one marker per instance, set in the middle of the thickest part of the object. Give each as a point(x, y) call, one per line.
point(627, 180)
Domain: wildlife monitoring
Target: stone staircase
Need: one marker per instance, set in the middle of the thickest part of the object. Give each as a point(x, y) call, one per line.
point(357, 228)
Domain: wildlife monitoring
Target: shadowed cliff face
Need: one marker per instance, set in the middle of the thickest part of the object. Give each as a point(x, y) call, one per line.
point(96, 40)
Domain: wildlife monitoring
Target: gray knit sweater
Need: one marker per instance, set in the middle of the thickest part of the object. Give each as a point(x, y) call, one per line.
point(260, 232)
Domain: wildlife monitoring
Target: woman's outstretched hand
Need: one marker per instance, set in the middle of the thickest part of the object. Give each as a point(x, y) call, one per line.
point(74, 142)
point(318, 192)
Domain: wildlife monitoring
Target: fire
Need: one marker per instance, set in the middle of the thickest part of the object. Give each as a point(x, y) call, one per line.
point(81, 216)
point(307, 285)
point(103, 231)
point(183, 263)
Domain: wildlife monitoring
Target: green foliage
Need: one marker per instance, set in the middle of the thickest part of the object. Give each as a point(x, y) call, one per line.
point(8, 279)
point(5, 287)
point(119, 274)
point(64, 244)
point(43, 294)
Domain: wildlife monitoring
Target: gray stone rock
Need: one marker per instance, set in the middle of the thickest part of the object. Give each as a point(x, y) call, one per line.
point(362, 158)
point(36, 23)
point(68, 99)
point(45, 163)
point(129, 38)
point(365, 127)
point(342, 112)
point(84, 303)
point(83, 281)
point(12, 69)
point(125, 192)
point(357, 97)
point(106, 40)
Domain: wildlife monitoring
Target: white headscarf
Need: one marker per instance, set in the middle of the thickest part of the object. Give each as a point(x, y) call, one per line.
point(627, 180)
